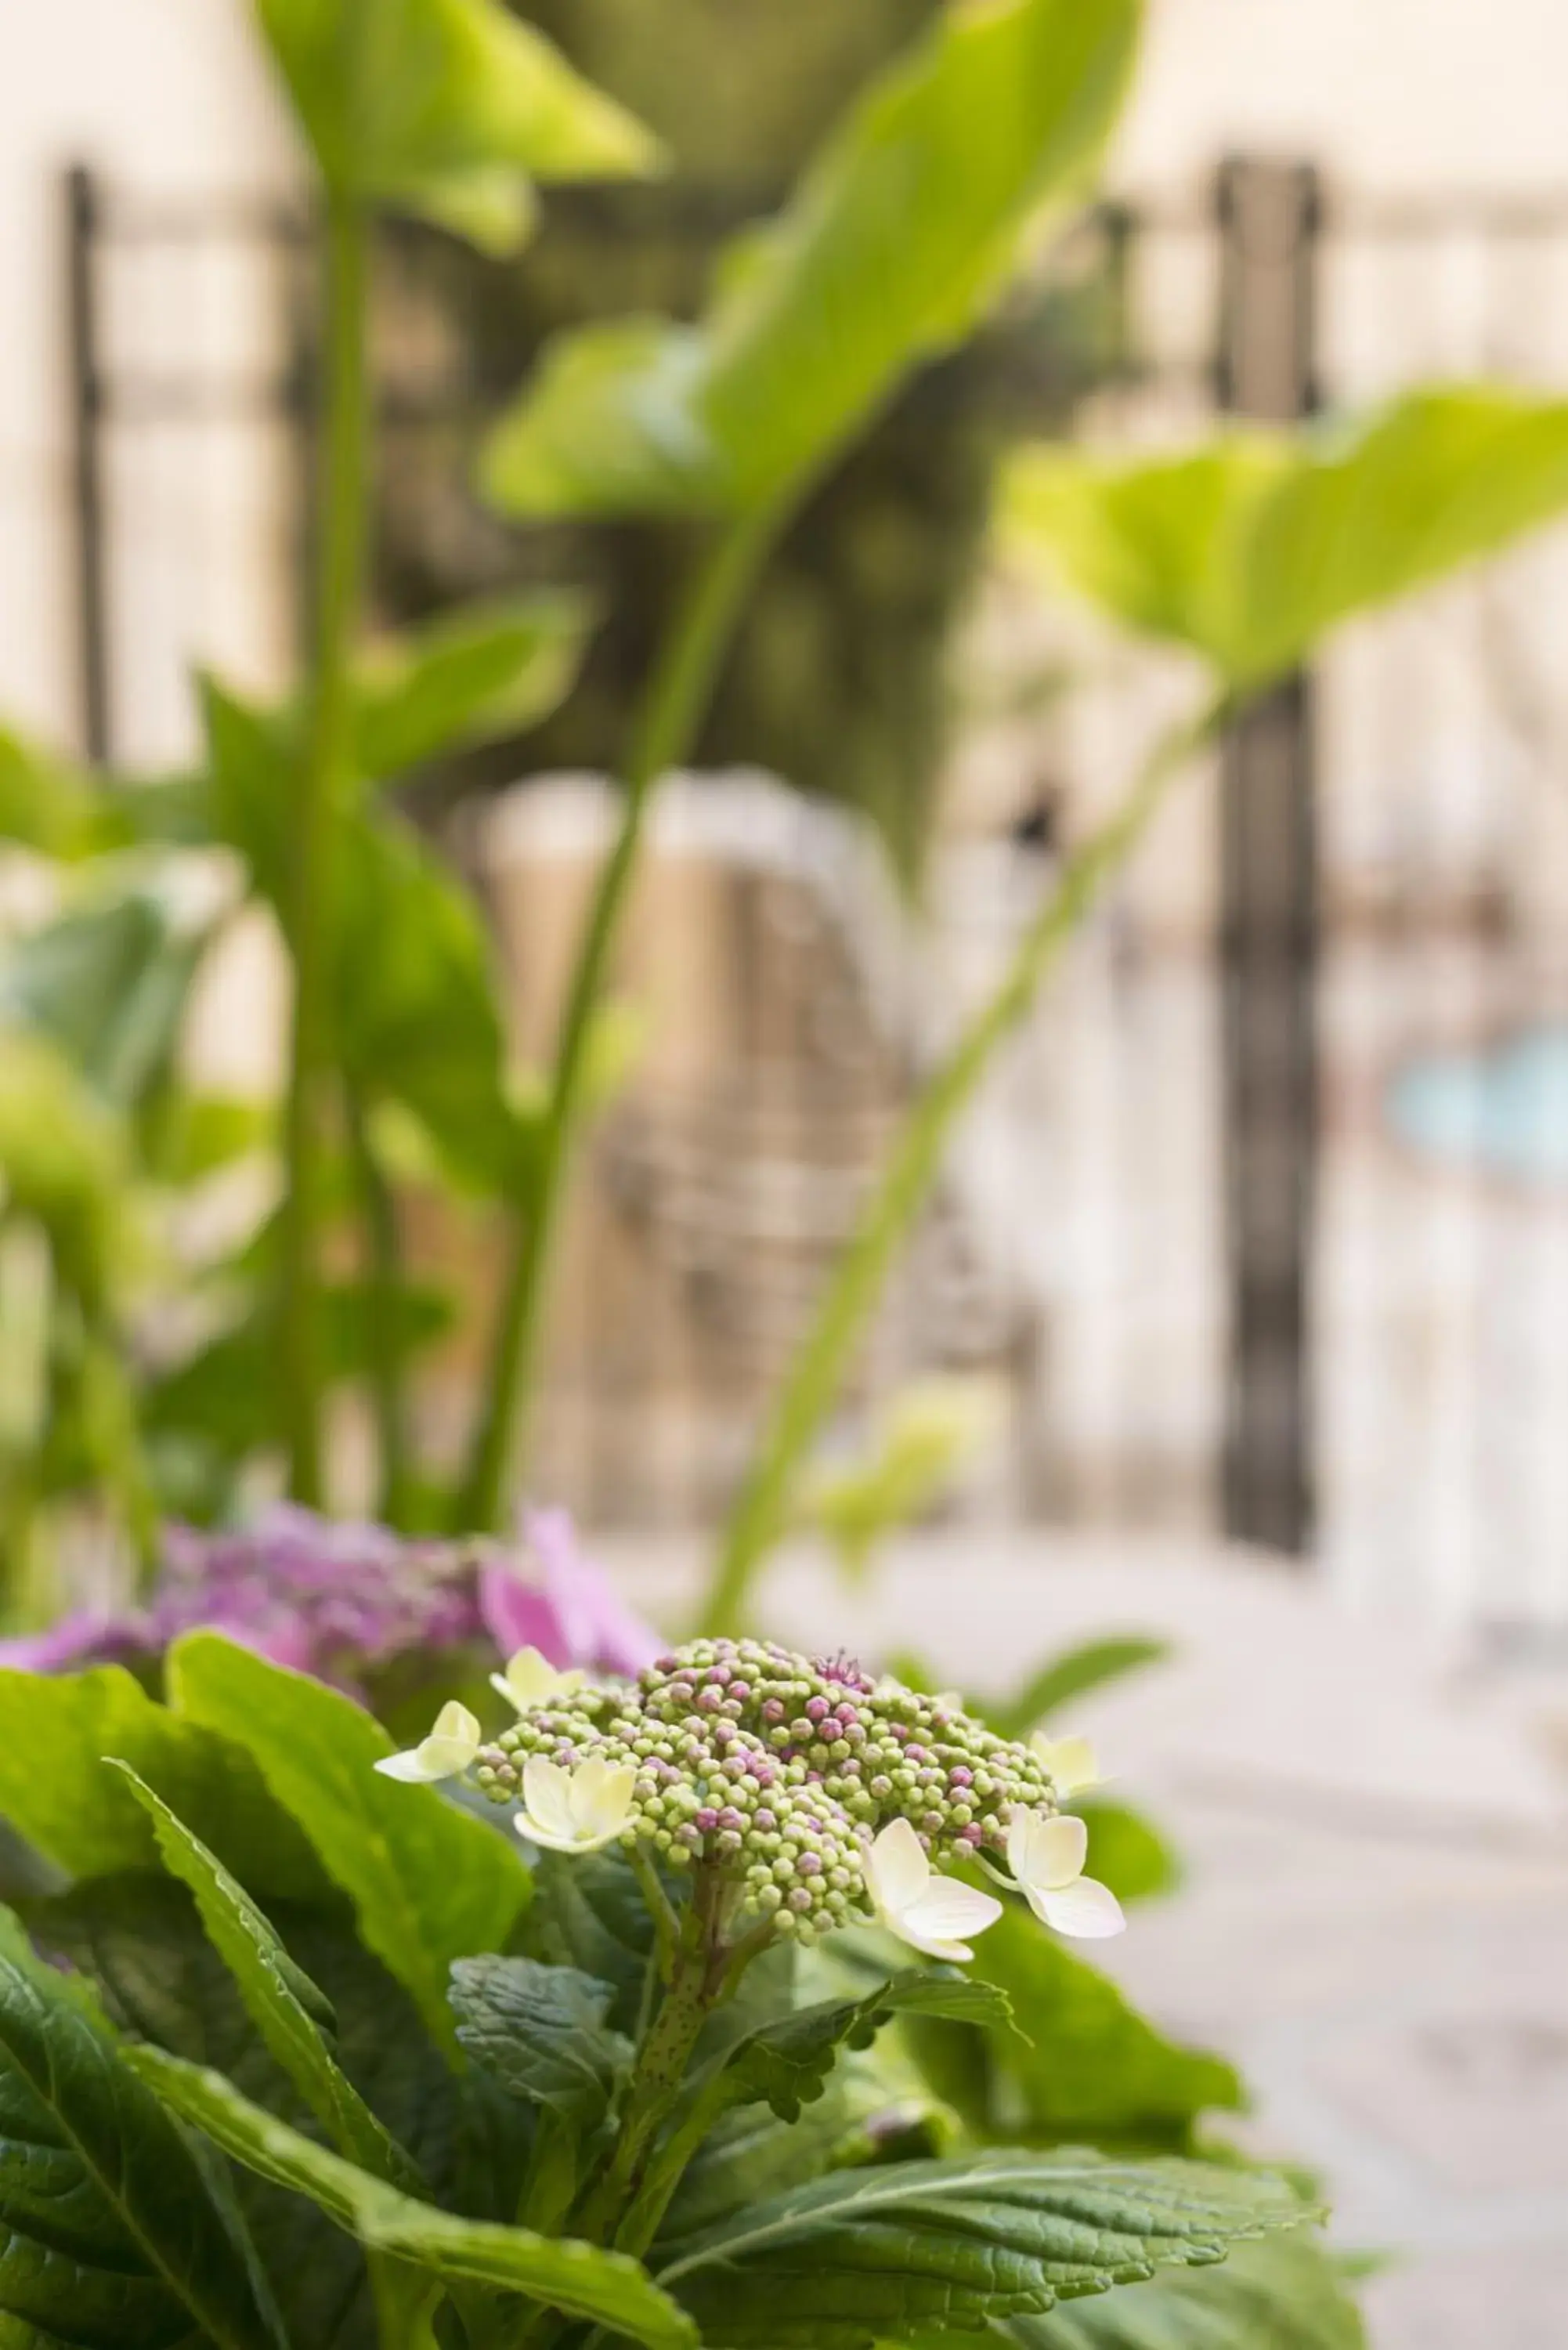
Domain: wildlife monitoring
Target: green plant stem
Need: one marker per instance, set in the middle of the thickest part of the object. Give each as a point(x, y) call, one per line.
point(378, 1214)
point(817, 1372)
point(321, 777)
point(670, 713)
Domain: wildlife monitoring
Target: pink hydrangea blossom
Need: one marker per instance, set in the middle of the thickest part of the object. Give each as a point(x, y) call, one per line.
point(344, 1600)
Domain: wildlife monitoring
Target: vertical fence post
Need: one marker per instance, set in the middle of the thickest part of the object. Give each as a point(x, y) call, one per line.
point(84, 209)
point(1268, 219)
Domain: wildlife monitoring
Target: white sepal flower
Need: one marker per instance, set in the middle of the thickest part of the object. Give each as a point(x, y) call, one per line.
point(444, 1754)
point(932, 1913)
point(1046, 1855)
point(529, 1679)
point(579, 1810)
point(1071, 1763)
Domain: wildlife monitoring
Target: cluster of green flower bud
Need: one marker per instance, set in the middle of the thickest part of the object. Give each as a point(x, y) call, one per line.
point(782, 1769)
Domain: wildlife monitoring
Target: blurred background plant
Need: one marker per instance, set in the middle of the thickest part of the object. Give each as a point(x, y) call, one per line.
point(197, 1280)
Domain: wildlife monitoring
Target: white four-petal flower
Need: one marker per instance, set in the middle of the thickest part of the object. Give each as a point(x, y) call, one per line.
point(449, 1750)
point(1071, 1763)
point(932, 1913)
point(579, 1810)
point(1046, 1855)
point(529, 1679)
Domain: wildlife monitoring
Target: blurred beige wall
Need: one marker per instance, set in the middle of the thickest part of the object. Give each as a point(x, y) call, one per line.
point(1394, 94)
point(164, 95)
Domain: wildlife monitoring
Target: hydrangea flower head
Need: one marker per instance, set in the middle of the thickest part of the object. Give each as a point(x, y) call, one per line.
point(816, 1797)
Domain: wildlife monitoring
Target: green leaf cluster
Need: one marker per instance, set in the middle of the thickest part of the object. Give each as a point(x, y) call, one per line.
point(898, 238)
point(1249, 551)
point(444, 108)
point(296, 2058)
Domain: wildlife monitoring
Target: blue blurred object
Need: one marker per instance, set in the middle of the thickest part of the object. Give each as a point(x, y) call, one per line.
point(1501, 1112)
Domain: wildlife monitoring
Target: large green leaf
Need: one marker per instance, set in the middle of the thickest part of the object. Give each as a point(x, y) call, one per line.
point(225, 1394)
point(752, 2155)
point(138, 1937)
point(109, 982)
point(541, 2032)
point(111, 2236)
point(590, 1913)
point(1130, 1854)
point(54, 1789)
point(485, 670)
point(1060, 1680)
point(575, 2277)
point(786, 2061)
point(1094, 2068)
point(49, 804)
point(64, 1159)
point(442, 107)
point(429, 1883)
point(893, 2249)
point(1284, 2294)
point(414, 996)
point(283, 2005)
point(1251, 549)
point(898, 239)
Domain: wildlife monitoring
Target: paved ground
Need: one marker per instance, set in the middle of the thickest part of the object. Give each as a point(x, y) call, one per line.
point(1376, 1924)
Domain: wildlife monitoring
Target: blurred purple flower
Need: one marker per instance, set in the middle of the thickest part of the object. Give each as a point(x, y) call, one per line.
point(573, 1617)
point(341, 1600)
point(78, 1641)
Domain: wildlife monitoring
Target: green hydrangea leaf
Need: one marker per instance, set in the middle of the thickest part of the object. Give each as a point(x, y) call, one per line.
point(541, 2032)
point(287, 2009)
point(1075, 1673)
point(965, 2242)
point(54, 1789)
point(429, 1883)
point(1094, 2068)
point(585, 2282)
point(111, 2235)
point(1286, 2293)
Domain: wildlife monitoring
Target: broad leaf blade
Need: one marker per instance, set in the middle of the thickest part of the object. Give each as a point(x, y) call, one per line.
point(1063, 1680)
point(786, 2061)
point(1096, 2069)
point(880, 2252)
point(414, 995)
point(54, 1789)
point(110, 2236)
point(541, 2032)
point(579, 2278)
point(1251, 550)
point(110, 982)
point(1284, 2294)
point(488, 669)
point(589, 1913)
point(442, 107)
point(430, 1884)
point(899, 236)
point(281, 2000)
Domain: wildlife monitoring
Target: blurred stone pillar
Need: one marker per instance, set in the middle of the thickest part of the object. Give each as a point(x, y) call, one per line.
point(1268, 217)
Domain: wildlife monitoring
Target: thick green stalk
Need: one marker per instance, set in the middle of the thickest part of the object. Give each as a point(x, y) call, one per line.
point(846, 1306)
point(320, 780)
point(382, 1272)
point(669, 715)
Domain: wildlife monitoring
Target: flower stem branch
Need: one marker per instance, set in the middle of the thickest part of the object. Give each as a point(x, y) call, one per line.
point(670, 713)
point(856, 1283)
point(319, 781)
